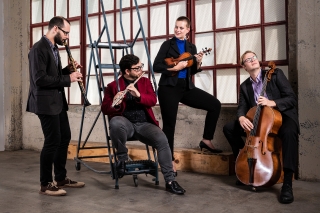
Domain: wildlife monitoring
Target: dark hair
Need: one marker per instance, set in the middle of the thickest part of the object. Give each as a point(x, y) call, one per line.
point(186, 19)
point(57, 21)
point(127, 61)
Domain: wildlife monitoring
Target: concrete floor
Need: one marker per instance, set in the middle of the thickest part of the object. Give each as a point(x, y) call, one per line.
point(19, 186)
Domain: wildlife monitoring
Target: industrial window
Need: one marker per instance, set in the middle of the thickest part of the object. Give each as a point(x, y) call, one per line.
point(229, 27)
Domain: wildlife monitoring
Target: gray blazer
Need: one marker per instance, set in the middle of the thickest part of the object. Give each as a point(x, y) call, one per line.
point(278, 89)
point(47, 81)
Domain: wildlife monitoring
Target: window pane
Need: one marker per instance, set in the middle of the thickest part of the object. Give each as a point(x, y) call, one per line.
point(176, 10)
point(48, 8)
point(204, 41)
point(93, 6)
point(74, 8)
point(75, 94)
point(203, 23)
point(225, 13)
point(61, 8)
point(89, 66)
point(36, 11)
point(140, 51)
point(126, 25)
point(226, 48)
point(106, 59)
point(124, 4)
point(249, 12)
point(108, 5)
point(110, 23)
point(158, 25)
point(74, 37)
point(274, 10)
point(152, 1)
point(36, 34)
point(275, 42)
point(204, 81)
point(154, 48)
point(93, 27)
point(140, 2)
point(227, 86)
point(243, 75)
point(144, 19)
point(250, 39)
point(93, 91)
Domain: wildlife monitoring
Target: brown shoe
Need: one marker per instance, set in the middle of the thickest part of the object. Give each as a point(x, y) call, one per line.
point(69, 183)
point(52, 190)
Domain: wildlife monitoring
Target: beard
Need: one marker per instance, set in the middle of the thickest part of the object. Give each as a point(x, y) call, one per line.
point(58, 39)
point(133, 76)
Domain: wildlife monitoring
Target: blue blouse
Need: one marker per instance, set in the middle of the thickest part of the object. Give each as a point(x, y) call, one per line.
point(181, 46)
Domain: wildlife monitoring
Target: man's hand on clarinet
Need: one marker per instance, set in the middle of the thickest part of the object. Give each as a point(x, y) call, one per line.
point(76, 64)
point(75, 76)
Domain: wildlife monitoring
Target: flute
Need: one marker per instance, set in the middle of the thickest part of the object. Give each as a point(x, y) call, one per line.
point(83, 91)
point(120, 97)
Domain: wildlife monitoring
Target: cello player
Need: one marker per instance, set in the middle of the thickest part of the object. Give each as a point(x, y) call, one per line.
point(280, 95)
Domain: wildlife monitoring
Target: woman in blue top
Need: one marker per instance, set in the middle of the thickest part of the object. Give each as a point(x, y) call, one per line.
point(176, 86)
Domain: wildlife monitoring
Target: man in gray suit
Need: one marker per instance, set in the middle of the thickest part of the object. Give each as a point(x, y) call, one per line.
point(47, 100)
point(279, 94)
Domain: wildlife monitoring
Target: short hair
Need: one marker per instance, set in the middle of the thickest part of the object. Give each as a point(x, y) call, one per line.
point(57, 21)
point(186, 19)
point(246, 52)
point(127, 61)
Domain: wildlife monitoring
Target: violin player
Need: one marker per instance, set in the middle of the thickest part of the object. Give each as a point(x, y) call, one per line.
point(176, 86)
point(279, 95)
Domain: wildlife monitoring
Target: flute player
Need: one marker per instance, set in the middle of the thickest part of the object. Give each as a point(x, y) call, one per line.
point(133, 116)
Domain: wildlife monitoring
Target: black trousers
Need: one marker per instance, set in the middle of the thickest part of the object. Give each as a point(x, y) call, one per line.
point(288, 133)
point(57, 136)
point(169, 98)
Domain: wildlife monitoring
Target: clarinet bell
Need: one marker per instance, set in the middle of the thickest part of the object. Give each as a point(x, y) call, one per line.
point(86, 102)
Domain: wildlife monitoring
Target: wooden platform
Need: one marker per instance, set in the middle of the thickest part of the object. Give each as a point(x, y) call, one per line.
point(192, 160)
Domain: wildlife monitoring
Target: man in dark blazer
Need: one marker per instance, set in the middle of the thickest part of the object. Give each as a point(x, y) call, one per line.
point(132, 116)
point(47, 100)
point(280, 96)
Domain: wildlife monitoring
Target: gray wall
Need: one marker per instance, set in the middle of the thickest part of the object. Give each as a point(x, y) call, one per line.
point(22, 129)
point(308, 64)
point(14, 66)
point(2, 135)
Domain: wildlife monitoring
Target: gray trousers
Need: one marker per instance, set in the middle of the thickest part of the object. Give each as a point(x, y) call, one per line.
point(121, 129)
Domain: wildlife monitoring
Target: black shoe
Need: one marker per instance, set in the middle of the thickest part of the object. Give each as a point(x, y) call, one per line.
point(203, 145)
point(121, 167)
point(286, 195)
point(175, 188)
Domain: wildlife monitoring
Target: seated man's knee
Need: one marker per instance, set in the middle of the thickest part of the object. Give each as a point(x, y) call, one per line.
point(116, 122)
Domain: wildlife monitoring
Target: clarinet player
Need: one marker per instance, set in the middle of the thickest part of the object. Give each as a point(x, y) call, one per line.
point(47, 100)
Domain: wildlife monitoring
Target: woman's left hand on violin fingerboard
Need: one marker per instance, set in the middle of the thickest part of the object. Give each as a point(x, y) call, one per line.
point(199, 57)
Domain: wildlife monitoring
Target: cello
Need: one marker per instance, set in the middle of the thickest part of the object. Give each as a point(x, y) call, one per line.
point(258, 163)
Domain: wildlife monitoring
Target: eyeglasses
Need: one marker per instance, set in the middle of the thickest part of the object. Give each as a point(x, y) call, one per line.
point(253, 58)
point(65, 32)
point(137, 68)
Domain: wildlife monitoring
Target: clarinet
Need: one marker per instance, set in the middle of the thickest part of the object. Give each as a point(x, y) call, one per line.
point(83, 91)
point(118, 99)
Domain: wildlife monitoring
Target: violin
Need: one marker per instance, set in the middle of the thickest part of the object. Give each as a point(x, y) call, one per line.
point(186, 56)
point(258, 162)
